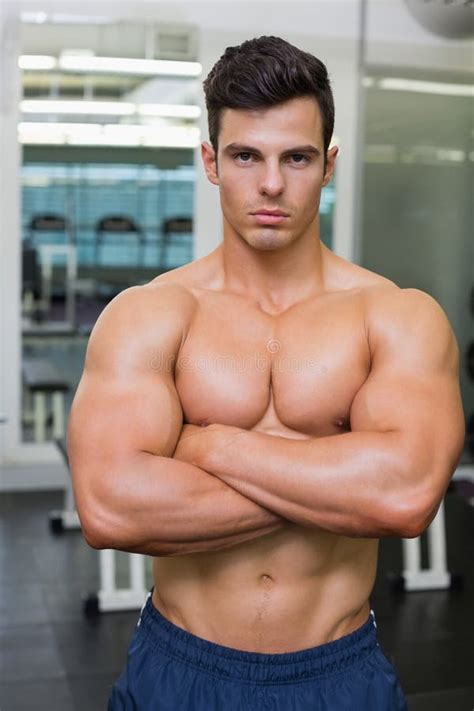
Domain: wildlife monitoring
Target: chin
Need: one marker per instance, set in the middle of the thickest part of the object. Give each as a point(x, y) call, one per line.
point(267, 240)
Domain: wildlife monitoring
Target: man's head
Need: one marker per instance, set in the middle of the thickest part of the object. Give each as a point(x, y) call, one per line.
point(271, 118)
point(264, 72)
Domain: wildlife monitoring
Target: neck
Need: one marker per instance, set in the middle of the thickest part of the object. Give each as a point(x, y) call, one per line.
point(277, 278)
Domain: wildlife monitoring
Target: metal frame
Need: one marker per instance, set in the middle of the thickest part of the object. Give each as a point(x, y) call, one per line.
point(111, 598)
point(47, 251)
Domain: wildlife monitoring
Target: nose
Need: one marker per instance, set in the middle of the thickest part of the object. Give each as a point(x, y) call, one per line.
point(272, 183)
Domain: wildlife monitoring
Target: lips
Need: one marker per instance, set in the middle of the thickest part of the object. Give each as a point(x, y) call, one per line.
point(269, 217)
point(276, 213)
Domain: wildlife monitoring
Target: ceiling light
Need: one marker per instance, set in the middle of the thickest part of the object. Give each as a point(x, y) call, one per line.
point(55, 106)
point(35, 18)
point(108, 135)
point(128, 65)
point(107, 108)
point(170, 111)
point(426, 87)
point(57, 18)
point(36, 61)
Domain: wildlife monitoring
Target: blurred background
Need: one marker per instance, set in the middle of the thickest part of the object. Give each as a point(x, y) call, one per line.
point(101, 117)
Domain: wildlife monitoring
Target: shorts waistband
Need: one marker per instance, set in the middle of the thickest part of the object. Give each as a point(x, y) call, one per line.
point(226, 662)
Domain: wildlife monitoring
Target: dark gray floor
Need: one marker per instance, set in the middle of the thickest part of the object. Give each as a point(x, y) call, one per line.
point(53, 659)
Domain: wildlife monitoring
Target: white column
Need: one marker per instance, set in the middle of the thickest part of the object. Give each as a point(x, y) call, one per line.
point(10, 159)
point(350, 130)
point(208, 231)
point(347, 130)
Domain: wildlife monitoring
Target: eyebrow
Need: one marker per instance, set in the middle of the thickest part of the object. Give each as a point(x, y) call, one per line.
point(241, 148)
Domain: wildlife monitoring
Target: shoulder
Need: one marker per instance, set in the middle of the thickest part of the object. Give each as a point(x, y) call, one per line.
point(192, 276)
point(409, 320)
point(141, 319)
point(344, 275)
point(154, 300)
point(389, 300)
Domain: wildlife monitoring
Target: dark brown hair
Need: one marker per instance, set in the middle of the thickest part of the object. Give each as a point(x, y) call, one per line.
point(263, 72)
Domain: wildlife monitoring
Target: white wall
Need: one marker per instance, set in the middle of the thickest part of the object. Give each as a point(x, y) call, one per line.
point(9, 229)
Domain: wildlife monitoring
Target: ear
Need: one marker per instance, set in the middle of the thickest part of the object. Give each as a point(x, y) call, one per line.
point(209, 161)
point(330, 164)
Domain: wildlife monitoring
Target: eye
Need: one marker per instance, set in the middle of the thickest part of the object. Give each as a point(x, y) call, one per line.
point(244, 156)
point(304, 158)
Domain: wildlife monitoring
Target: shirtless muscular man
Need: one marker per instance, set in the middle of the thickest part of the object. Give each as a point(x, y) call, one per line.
point(258, 419)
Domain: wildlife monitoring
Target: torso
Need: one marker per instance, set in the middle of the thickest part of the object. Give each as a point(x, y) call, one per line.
point(292, 374)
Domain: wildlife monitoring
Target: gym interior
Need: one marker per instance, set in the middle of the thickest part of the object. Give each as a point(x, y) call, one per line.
point(102, 187)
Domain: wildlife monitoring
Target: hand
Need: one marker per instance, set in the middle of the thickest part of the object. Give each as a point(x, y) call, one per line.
point(193, 443)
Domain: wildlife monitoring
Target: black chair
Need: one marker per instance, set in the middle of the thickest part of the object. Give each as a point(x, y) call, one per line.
point(50, 222)
point(118, 225)
point(176, 231)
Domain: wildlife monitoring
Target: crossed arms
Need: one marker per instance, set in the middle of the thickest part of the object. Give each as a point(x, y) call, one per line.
point(213, 487)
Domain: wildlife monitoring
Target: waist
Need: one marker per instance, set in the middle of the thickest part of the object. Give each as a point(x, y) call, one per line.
point(321, 660)
point(273, 609)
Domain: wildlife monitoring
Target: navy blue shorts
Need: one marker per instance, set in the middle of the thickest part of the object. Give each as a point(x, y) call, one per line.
point(170, 669)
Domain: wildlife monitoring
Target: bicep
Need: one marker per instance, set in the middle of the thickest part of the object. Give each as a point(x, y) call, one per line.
point(413, 386)
point(112, 417)
point(126, 402)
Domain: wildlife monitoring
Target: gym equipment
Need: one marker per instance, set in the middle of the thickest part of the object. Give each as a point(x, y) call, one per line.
point(177, 233)
point(110, 598)
point(436, 576)
point(116, 277)
point(50, 223)
point(42, 379)
point(47, 252)
point(31, 282)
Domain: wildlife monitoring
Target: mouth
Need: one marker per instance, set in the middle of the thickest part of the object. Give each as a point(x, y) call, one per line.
point(270, 217)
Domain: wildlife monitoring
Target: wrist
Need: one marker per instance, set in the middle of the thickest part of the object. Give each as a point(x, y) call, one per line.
point(221, 438)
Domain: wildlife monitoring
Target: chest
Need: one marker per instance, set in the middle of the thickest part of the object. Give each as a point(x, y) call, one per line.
point(296, 372)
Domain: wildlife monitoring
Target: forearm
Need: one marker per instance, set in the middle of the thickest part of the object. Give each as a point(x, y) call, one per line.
point(354, 484)
point(161, 507)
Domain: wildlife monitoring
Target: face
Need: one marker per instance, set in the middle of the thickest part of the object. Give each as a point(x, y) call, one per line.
point(270, 159)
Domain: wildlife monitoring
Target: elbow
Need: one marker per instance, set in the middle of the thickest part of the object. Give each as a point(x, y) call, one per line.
point(91, 531)
point(104, 531)
point(412, 528)
point(93, 540)
point(414, 518)
point(98, 524)
point(102, 522)
point(97, 538)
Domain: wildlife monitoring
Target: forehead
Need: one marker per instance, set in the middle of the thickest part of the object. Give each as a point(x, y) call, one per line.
point(294, 120)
